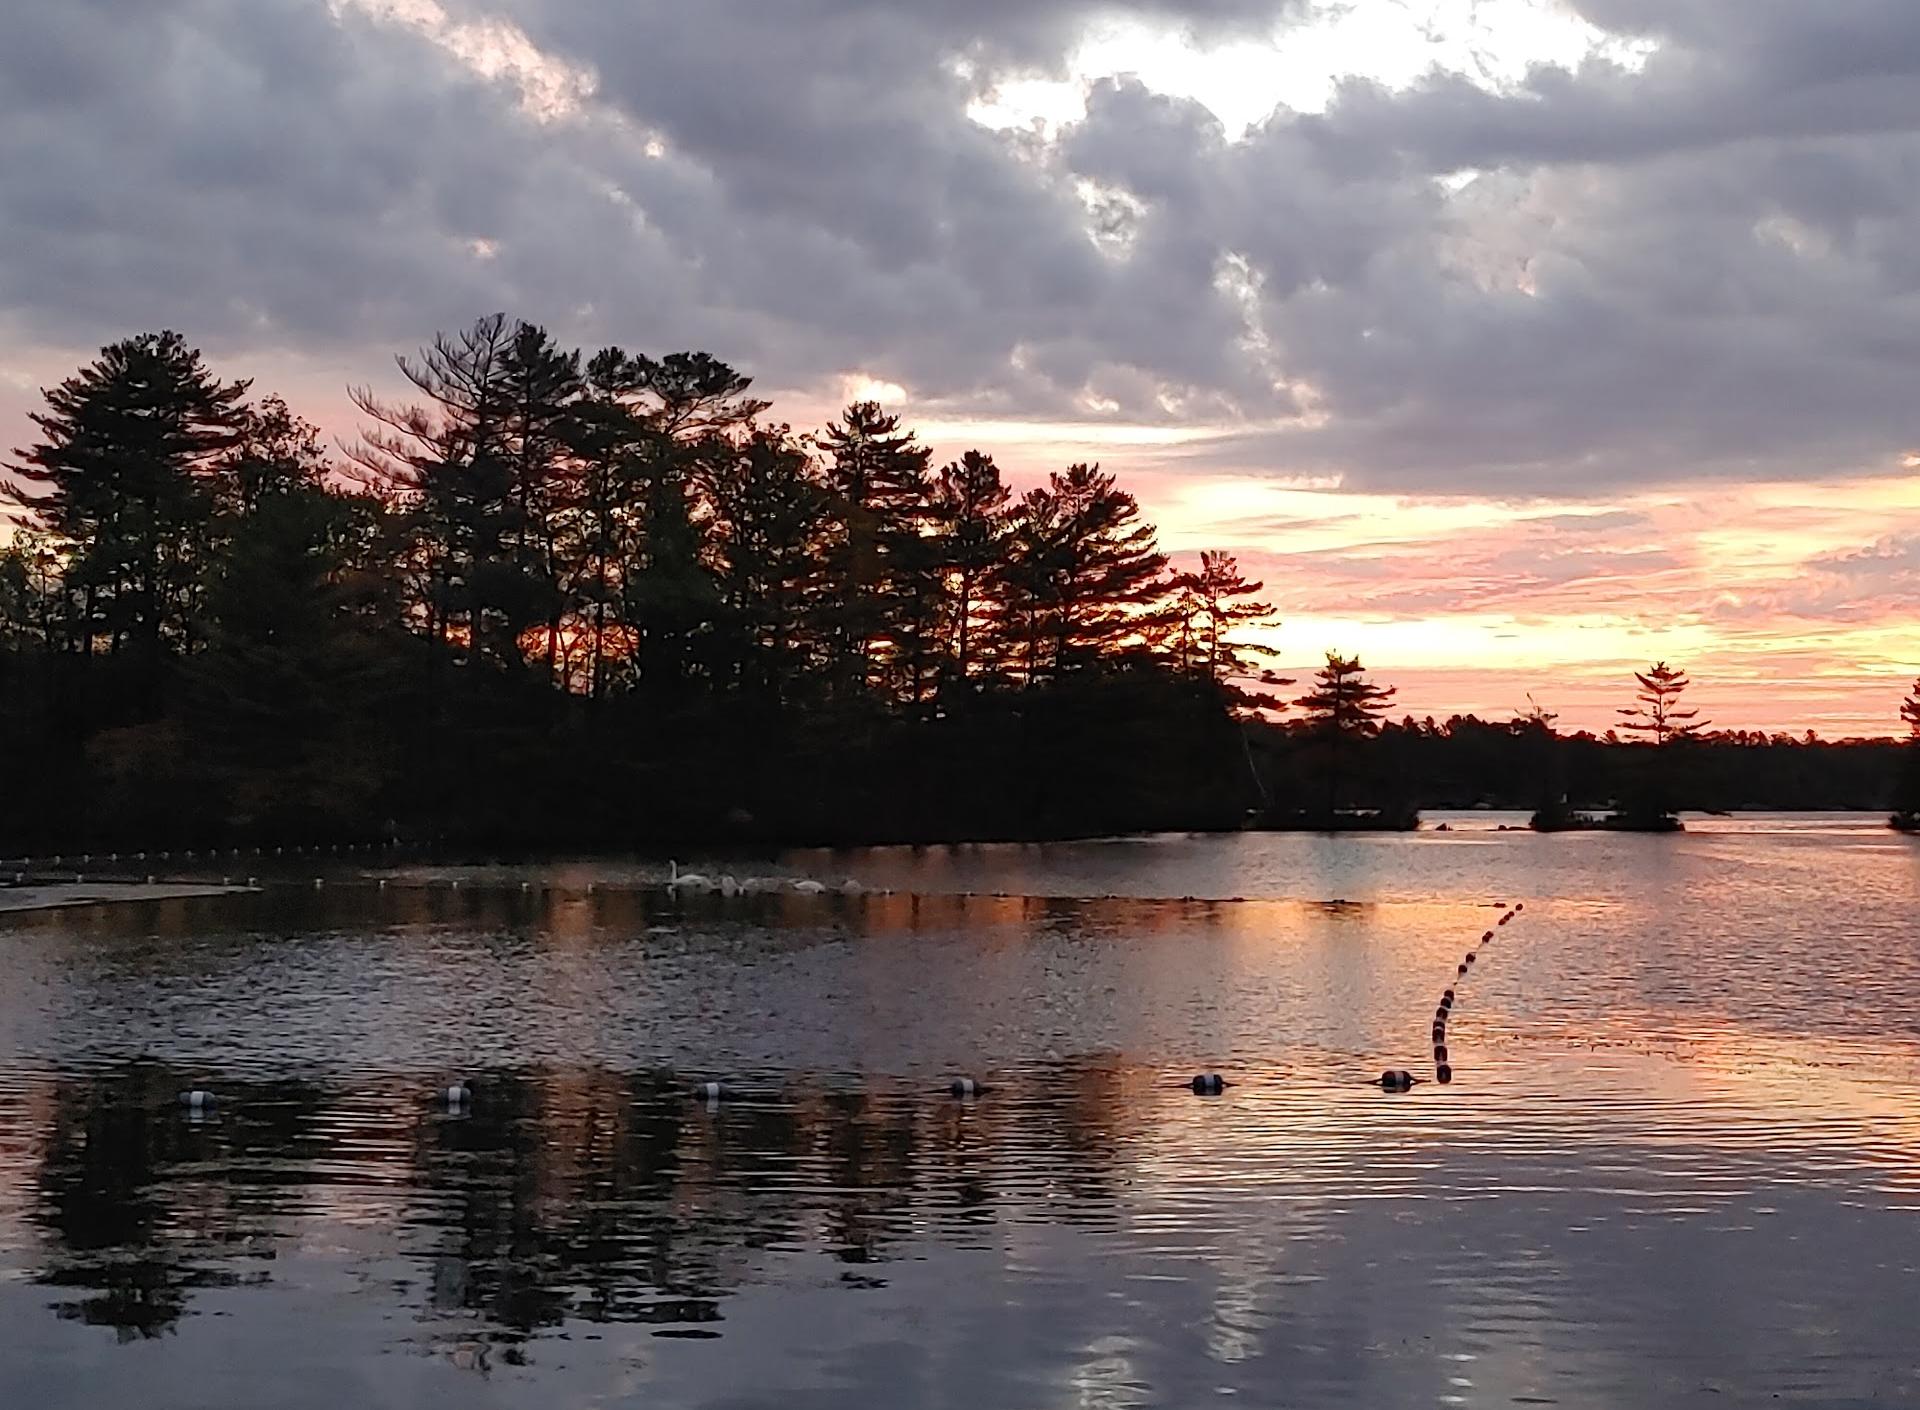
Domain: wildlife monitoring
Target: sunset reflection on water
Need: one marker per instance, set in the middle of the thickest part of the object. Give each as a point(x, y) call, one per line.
point(1678, 1157)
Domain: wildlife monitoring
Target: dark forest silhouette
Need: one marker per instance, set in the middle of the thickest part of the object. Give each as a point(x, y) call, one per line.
point(567, 600)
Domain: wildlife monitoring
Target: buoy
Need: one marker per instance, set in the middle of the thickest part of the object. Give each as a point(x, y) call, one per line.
point(526, 886)
point(199, 1099)
point(1440, 1052)
point(1439, 1032)
point(1396, 1080)
point(458, 1095)
point(1484, 938)
point(149, 880)
point(965, 1087)
point(1471, 957)
point(1507, 917)
point(1519, 906)
point(383, 883)
point(1461, 971)
point(1443, 1073)
point(318, 883)
point(1208, 1084)
point(711, 1091)
point(253, 881)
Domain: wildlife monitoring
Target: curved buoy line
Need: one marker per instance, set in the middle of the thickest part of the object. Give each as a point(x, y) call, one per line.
point(1442, 1068)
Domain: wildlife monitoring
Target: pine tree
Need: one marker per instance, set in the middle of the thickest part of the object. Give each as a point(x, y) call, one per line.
point(1658, 713)
point(1906, 808)
point(1658, 716)
point(1089, 571)
point(1213, 607)
point(769, 518)
point(601, 526)
point(117, 486)
point(875, 474)
point(1342, 710)
point(967, 511)
point(450, 463)
point(542, 385)
point(285, 700)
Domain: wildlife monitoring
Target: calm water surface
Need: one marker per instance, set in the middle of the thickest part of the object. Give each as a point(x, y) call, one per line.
point(1678, 1163)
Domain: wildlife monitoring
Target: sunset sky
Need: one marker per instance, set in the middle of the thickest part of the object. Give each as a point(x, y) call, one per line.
point(1515, 343)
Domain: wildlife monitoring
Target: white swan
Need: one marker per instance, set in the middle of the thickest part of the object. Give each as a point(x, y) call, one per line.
point(689, 881)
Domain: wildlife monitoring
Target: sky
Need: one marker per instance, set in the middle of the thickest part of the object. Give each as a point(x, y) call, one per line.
point(1513, 343)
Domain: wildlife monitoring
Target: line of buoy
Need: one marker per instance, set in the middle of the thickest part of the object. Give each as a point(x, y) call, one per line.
point(1442, 1068)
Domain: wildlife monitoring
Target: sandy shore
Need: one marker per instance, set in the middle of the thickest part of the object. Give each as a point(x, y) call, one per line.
point(94, 893)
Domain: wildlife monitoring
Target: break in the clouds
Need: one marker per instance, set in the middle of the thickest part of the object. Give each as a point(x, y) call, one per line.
point(1673, 243)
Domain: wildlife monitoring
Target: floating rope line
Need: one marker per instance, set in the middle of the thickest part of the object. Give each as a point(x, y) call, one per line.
point(1442, 1066)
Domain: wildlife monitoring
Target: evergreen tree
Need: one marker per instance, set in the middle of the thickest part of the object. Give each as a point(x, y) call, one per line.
point(1906, 805)
point(1081, 577)
point(967, 512)
point(116, 485)
point(769, 519)
point(542, 385)
point(875, 475)
point(1213, 607)
point(1343, 710)
point(1658, 714)
point(602, 523)
point(450, 462)
point(284, 701)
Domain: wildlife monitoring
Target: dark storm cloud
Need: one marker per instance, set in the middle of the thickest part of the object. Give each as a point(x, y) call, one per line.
point(1700, 268)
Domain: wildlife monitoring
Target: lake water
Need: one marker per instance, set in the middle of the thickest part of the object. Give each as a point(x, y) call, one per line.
point(1678, 1162)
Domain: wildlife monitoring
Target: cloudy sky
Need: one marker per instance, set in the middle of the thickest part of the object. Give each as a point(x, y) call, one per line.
point(1513, 341)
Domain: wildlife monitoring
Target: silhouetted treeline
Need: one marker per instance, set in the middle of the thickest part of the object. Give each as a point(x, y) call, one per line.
point(566, 601)
point(586, 600)
point(1466, 762)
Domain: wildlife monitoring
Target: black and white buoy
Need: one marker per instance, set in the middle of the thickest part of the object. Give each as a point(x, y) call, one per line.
point(965, 1087)
point(198, 1102)
point(1208, 1084)
point(1442, 1073)
point(712, 1091)
point(1396, 1080)
point(457, 1097)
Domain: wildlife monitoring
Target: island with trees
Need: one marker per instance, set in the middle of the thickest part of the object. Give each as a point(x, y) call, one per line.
point(566, 600)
